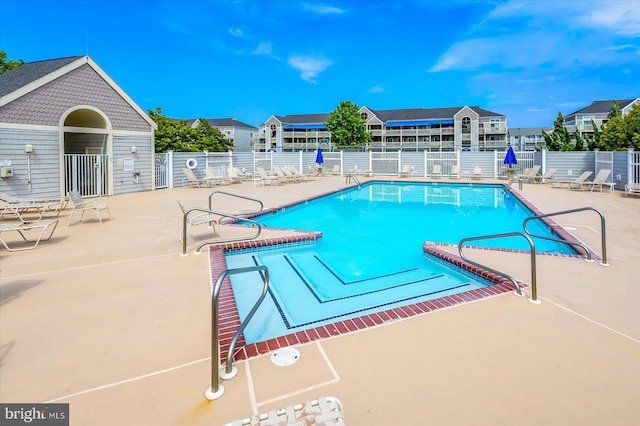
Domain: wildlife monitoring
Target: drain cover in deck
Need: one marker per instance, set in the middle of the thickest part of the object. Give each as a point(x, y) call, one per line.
point(284, 357)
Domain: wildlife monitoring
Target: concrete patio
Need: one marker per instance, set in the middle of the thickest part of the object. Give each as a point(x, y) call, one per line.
point(114, 321)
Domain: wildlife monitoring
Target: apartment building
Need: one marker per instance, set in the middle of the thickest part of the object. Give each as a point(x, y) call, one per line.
point(241, 134)
point(528, 138)
point(415, 129)
point(598, 112)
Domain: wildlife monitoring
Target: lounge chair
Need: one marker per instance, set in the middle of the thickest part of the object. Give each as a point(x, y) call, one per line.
point(600, 181)
point(82, 205)
point(281, 175)
point(405, 171)
point(232, 175)
point(546, 177)
point(293, 177)
point(214, 179)
point(193, 181)
point(477, 173)
point(335, 170)
point(200, 218)
point(529, 176)
point(267, 179)
point(571, 183)
point(436, 172)
point(631, 188)
point(23, 227)
point(455, 172)
point(305, 176)
point(18, 206)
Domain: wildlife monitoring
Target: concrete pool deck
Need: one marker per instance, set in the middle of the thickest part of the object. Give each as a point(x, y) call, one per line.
point(112, 320)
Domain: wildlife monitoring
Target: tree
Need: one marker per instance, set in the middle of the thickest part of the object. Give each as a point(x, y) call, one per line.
point(613, 136)
point(559, 140)
point(593, 142)
point(347, 128)
point(632, 126)
point(177, 135)
point(580, 146)
point(8, 66)
point(615, 110)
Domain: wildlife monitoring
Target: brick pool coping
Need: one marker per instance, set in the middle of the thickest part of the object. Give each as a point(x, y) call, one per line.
point(229, 320)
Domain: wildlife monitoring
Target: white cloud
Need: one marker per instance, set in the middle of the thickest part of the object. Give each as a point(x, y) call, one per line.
point(309, 66)
point(622, 17)
point(323, 9)
point(236, 32)
point(263, 48)
point(377, 89)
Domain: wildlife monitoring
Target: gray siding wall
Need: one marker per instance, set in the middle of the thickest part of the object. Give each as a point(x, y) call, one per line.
point(82, 86)
point(484, 160)
point(123, 181)
point(45, 164)
point(576, 162)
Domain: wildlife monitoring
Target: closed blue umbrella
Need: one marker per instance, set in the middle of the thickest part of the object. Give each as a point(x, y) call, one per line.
point(510, 159)
point(319, 158)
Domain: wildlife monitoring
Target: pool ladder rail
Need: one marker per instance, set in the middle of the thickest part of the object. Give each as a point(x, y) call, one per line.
point(216, 390)
point(234, 217)
point(352, 178)
point(527, 235)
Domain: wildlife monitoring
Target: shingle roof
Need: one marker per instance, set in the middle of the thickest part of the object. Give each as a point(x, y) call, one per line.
point(601, 107)
point(426, 113)
point(29, 72)
point(228, 122)
point(390, 115)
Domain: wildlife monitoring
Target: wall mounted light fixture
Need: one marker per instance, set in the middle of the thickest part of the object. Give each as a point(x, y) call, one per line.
point(134, 149)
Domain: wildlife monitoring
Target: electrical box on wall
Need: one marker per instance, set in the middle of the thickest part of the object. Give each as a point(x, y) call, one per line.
point(6, 172)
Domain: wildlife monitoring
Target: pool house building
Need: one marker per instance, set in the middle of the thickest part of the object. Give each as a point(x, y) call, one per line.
point(414, 129)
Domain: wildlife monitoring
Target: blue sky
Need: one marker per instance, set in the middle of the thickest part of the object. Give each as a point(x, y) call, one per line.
point(250, 59)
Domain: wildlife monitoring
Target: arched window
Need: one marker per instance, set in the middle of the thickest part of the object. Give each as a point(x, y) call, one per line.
point(273, 130)
point(466, 125)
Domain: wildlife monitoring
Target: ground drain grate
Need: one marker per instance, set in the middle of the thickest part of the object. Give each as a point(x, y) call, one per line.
point(284, 357)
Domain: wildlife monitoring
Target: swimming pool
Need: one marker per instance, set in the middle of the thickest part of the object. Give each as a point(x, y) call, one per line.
point(370, 256)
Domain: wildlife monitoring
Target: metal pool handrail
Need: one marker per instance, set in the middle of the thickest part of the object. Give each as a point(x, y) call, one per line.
point(222, 214)
point(534, 285)
point(603, 232)
point(216, 390)
point(237, 196)
point(351, 176)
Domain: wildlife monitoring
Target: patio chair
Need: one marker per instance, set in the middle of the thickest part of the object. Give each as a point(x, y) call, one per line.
point(476, 173)
point(455, 172)
point(267, 179)
point(293, 172)
point(631, 188)
point(335, 170)
point(405, 171)
point(82, 205)
point(292, 177)
point(213, 179)
point(17, 206)
point(577, 182)
point(529, 176)
point(546, 177)
point(436, 172)
point(600, 181)
point(201, 218)
point(193, 181)
point(305, 176)
point(232, 175)
point(24, 227)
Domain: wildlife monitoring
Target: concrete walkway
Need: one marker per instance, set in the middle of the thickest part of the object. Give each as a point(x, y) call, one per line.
point(112, 320)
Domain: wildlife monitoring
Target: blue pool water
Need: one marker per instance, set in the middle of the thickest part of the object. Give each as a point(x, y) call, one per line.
point(370, 257)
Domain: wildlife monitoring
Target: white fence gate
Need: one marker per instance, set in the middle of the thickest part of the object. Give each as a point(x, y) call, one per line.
point(86, 173)
point(162, 171)
point(385, 163)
